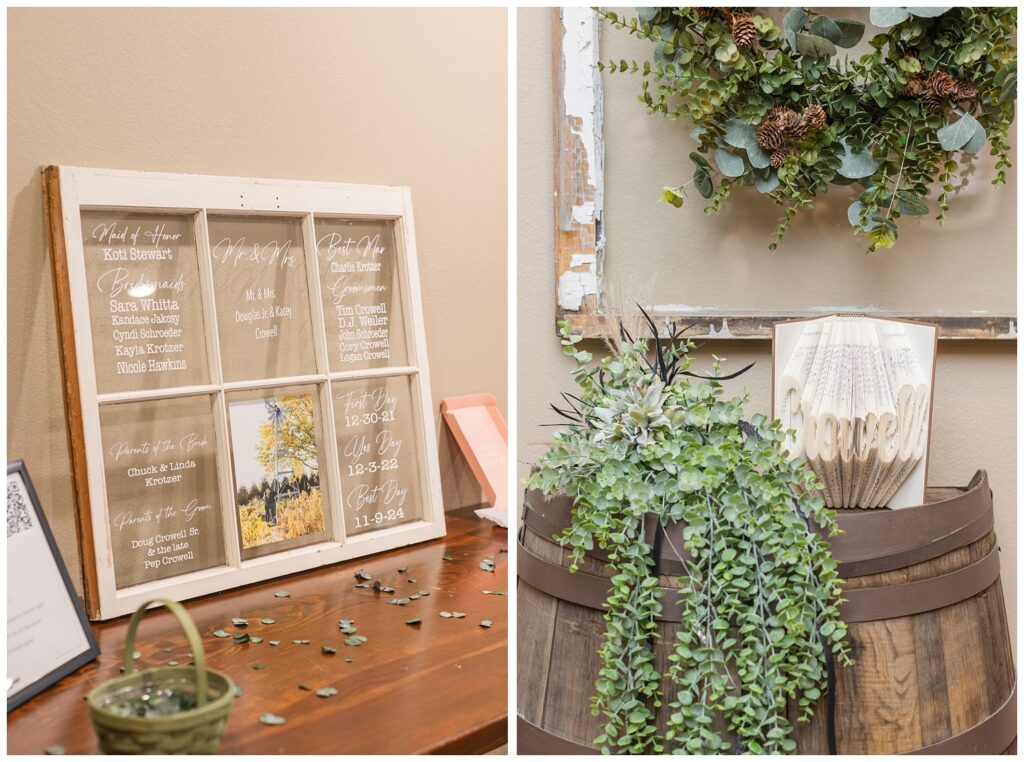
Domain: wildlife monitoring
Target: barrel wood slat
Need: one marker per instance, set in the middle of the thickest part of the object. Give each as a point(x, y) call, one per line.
point(927, 624)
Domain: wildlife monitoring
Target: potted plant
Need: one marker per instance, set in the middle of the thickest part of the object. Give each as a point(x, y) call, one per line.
point(759, 605)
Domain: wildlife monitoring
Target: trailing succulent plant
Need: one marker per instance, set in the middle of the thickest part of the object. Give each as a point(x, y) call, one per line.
point(759, 609)
point(777, 108)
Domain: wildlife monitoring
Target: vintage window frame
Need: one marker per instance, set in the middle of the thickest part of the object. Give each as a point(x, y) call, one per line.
point(580, 251)
point(69, 190)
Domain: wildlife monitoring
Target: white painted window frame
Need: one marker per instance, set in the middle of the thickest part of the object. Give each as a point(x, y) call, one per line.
point(580, 252)
point(200, 195)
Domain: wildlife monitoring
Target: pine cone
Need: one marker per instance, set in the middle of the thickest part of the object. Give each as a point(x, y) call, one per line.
point(801, 128)
point(942, 84)
point(790, 122)
point(779, 157)
point(915, 87)
point(815, 116)
point(934, 103)
point(706, 14)
point(769, 134)
point(744, 33)
point(964, 91)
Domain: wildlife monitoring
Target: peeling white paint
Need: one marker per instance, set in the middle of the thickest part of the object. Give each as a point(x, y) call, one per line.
point(582, 91)
point(1011, 333)
point(583, 213)
point(721, 333)
point(573, 286)
point(582, 260)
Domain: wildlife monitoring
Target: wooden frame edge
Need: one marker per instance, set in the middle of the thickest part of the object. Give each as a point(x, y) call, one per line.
point(72, 400)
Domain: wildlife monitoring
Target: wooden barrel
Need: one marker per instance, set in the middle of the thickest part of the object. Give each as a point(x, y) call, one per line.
point(927, 626)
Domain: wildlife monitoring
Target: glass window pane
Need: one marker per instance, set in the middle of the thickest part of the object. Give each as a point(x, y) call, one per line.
point(361, 291)
point(276, 446)
point(376, 427)
point(263, 316)
point(144, 300)
point(160, 459)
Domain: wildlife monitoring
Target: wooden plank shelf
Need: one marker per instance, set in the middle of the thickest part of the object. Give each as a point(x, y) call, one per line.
point(439, 687)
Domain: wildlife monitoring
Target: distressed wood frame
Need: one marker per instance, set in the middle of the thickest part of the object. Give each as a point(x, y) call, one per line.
point(66, 191)
point(579, 224)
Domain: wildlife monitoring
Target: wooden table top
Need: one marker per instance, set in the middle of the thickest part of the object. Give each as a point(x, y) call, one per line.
point(437, 687)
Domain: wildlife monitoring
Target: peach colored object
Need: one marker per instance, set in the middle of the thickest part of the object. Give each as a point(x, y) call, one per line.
point(483, 438)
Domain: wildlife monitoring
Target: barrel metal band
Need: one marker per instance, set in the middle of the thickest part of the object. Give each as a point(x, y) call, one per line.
point(993, 735)
point(873, 541)
point(865, 605)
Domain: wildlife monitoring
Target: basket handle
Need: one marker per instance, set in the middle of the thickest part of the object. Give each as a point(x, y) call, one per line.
point(190, 632)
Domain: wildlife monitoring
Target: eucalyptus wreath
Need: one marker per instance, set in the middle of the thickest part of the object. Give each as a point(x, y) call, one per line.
point(777, 107)
point(761, 590)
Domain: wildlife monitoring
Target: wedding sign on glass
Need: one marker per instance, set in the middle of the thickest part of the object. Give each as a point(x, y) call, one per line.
point(245, 378)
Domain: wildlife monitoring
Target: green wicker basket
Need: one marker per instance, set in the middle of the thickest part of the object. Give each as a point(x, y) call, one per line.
point(193, 731)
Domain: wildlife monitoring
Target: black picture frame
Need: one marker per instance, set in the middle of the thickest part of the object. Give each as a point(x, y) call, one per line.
point(63, 670)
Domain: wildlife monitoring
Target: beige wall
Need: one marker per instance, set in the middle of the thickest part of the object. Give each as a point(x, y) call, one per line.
point(399, 97)
point(975, 388)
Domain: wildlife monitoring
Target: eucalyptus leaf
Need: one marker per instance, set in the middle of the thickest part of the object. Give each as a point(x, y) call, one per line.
point(767, 184)
point(977, 142)
point(220, 634)
point(911, 204)
point(702, 182)
point(956, 135)
point(857, 165)
point(738, 134)
point(266, 620)
point(886, 17)
point(54, 750)
point(758, 157)
point(486, 623)
point(326, 692)
point(328, 650)
point(825, 27)
point(416, 620)
point(728, 163)
point(281, 594)
point(813, 45)
point(272, 719)
point(793, 22)
point(850, 32)
point(240, 622)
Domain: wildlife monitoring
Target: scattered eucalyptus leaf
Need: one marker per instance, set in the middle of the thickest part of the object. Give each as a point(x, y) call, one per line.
point(349, 659)
point(274, 642)
point(417, 620)
point(423, 592)
point(240, 639)
point(411, 581)
point(328, 650)
point(457, 615)
point(488, 565)
point(414, 597)
point(445, 614)
point(326, 692)
point(282, 594)
point(447, 558)
point(238, 690)
point(52, 750)
point(494, 592)
point(347, 630)
point(403, 570)
point(266, 620)
point(486, 623)
point(355, 640)
point(240, 622)
point(363, 585)
point(136, 655)
point(364, 575)
point(173, 663)
point(299, 642)
point(259, 665)
point(220, 634)
point(304, 687)
point(255, 639)
point(271, 719)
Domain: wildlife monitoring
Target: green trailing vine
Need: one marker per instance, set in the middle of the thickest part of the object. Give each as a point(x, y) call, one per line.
point(776, 106)
point(759, 608)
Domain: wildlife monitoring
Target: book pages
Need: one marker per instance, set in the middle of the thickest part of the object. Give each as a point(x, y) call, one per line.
point(856, 398)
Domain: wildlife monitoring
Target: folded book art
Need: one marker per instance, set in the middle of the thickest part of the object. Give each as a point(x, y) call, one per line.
point(856, 393)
